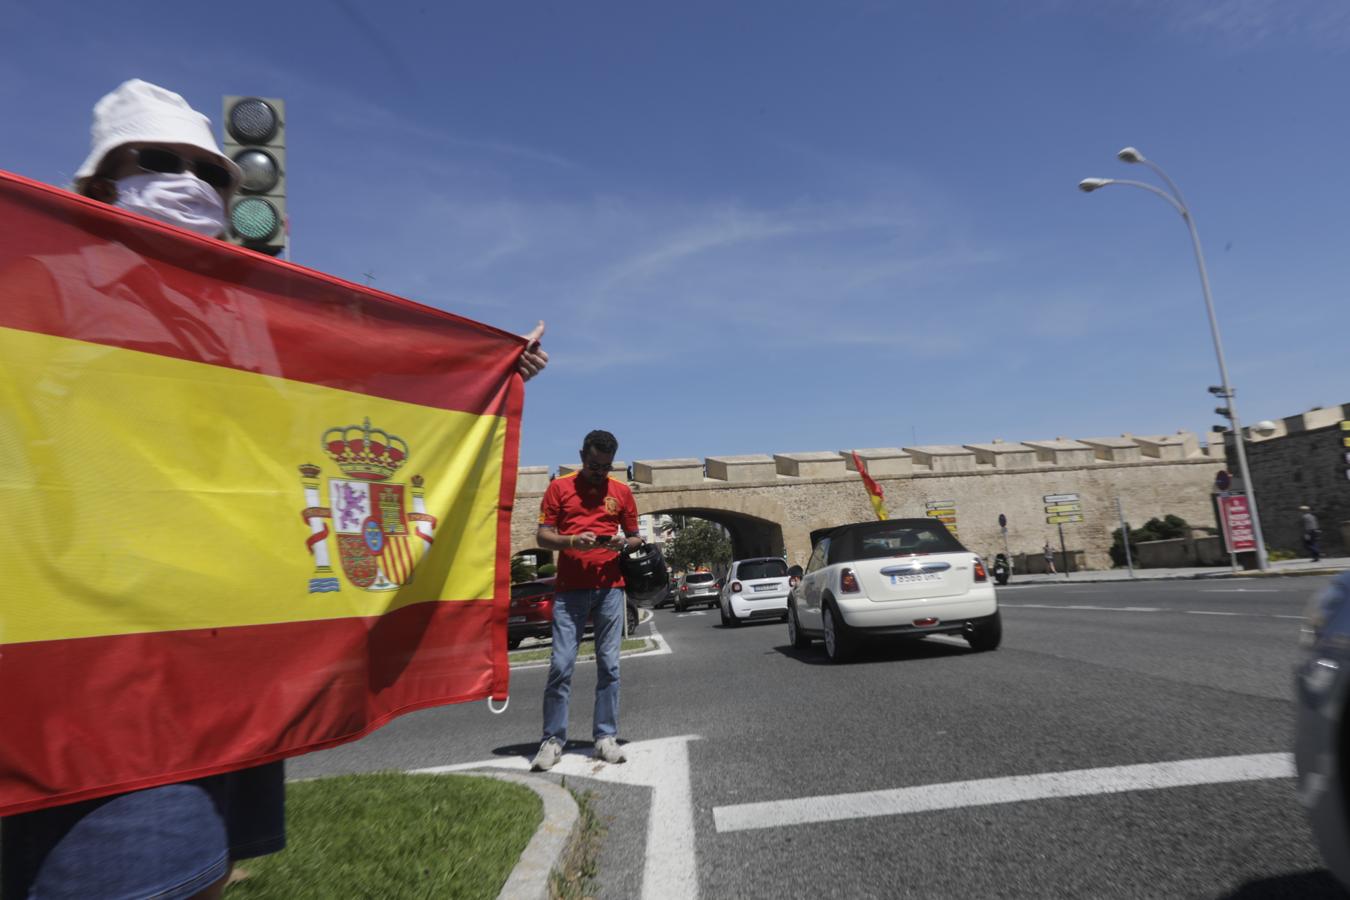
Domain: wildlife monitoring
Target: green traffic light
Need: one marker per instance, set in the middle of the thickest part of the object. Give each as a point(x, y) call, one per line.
point(254, 219)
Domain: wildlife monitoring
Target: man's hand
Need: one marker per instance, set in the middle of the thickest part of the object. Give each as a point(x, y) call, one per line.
point(533, 360)
point(582, 541)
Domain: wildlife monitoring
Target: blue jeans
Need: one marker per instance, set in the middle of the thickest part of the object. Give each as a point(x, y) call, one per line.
point(571, 609)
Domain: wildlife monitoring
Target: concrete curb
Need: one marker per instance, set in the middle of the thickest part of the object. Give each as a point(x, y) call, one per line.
point(529, 880)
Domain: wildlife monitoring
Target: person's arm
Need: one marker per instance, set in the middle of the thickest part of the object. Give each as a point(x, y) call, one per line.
point(534, 359)
point(629, 523)
point(548, 538)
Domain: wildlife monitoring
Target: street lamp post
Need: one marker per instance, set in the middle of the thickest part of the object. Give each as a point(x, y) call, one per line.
point(1087, 185)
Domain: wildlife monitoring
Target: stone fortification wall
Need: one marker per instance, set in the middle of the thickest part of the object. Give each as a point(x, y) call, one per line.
point(779, 499)
point(1301, 462)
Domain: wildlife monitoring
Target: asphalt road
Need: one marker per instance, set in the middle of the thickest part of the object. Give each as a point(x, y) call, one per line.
point(1089, 677)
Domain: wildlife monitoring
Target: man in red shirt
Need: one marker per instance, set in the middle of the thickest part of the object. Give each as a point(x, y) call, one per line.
point(585, 517)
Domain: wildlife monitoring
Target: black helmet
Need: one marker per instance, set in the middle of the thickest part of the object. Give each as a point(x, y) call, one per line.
point(644, 571)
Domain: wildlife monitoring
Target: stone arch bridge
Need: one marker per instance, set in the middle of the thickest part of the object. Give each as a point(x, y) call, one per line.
point(770, 503)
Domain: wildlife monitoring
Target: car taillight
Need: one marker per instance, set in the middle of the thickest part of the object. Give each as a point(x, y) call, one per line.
point(794, 581)
point(848, 582)
point(980, 573)
point(684, 589)
point(735, 587)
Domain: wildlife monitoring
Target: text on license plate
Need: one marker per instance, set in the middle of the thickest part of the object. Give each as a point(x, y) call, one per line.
point(514, 619)
point(765, 587)
point(917, 576)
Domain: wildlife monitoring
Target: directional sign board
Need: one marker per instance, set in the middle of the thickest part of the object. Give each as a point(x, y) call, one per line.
point(944, 511)
point(1064, 519)
point(1063, 509)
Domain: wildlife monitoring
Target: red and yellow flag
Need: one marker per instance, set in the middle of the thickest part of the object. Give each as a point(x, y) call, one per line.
point(251, 510)
point(874, 492)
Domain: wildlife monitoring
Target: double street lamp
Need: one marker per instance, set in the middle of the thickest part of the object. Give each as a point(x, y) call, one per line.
point(1225, 390)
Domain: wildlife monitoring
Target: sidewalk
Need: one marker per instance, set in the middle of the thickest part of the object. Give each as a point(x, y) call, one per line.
point(1324, 566)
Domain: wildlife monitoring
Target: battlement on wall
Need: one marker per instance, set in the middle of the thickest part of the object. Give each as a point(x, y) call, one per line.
point(995, 457)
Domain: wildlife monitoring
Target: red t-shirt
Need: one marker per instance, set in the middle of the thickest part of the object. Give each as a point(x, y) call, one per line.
point(573, 505)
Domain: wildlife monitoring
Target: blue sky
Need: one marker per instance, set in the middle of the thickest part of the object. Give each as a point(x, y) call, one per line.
point(768, 227)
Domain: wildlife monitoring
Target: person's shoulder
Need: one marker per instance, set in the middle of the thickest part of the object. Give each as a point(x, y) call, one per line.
point(562, 483)
point(619, 488)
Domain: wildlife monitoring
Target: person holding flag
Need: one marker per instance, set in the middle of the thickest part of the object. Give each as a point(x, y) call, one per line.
point(154, 155)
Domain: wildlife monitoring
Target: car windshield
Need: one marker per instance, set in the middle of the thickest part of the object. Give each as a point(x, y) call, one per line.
point(530, 589)
point(895, 538)
point(761, 568)
point(698, 578)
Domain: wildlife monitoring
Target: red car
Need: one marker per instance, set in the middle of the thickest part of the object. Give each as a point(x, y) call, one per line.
point(531, 612)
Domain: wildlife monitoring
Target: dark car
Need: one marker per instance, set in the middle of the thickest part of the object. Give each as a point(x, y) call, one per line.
point(1322, 744)
point(531, 613)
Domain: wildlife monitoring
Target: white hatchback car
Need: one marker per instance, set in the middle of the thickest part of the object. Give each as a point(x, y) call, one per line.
point(755, 589)
point(904, 578)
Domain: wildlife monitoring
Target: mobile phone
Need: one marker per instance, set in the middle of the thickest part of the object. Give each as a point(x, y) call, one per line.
point(603, 538)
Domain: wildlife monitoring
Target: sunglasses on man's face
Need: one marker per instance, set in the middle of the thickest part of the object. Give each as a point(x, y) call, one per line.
point(605, 468)
point(157, 159)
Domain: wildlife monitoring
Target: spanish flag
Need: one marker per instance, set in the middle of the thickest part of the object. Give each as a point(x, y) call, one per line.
point(874, 492)
point(251, 510)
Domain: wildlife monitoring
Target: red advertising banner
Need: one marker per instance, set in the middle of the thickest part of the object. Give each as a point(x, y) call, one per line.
point(1237, 523)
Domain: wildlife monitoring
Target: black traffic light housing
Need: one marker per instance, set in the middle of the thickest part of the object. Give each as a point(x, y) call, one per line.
point(255, 138)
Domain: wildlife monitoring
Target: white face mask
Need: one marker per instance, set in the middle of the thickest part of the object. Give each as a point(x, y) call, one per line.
point(183, 200)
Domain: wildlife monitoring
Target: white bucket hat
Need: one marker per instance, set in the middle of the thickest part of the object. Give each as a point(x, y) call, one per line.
point(139, 112)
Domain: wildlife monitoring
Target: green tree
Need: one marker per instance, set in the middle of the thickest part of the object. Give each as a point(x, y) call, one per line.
point(522, 569)
point(699, 543)
point(1164, 529)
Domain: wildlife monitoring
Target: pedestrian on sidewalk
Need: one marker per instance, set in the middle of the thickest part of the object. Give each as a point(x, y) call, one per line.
point(1049, 558)
point(588, 518)
point(1311, 533)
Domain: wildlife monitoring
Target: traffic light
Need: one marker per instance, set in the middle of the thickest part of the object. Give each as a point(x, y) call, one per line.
point(255, 138)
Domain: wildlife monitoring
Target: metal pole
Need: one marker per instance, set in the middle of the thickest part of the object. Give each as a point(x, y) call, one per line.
point(1007, 554)
point(1063, 551)
point(1125, 536)
point(1179, 203)
point(1229, 400)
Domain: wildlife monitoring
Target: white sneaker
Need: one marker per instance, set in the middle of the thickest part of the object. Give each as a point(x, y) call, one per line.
point(608, 750)
point(550, 751)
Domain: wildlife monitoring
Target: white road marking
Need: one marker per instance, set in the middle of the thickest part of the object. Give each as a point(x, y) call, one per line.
point(1015, 789)
point(697, 612)
point(662, 765)
point(662, 649)
point(1240, 591)
point(1154, 609)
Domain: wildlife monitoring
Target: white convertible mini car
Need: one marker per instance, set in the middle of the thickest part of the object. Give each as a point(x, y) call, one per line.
point(905, 578)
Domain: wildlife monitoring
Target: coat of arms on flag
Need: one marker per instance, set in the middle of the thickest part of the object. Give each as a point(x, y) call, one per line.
point(379, 540)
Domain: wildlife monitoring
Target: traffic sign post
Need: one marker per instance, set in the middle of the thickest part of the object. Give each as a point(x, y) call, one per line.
point(944, 511)
point(1061, 509)
point(1003, 526)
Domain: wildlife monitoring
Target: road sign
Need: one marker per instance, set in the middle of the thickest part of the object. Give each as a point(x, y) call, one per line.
point(1065, 508)
point(1222, 481)
point(1051, 499)
point(944, 511)
point(941, 504)
point(1064, 519)
point(1002, 521)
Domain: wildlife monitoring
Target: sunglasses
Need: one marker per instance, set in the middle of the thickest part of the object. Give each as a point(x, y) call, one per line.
point(157, 159)
point(599, 467)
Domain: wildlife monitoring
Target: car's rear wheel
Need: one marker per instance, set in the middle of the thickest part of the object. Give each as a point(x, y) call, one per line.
point(721, 611)
point(632, 618)
point(512, 643)
point(679, 605)
point(729, 616)
point(795, 636)
point(838, 642)
point(987, 635)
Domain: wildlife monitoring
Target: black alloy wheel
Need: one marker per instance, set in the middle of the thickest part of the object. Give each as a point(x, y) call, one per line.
point(986, 636)
point(795, 637)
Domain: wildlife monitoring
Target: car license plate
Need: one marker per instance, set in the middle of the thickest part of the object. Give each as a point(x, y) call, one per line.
point(514, 619)
point(917, 576)
point(765, 587)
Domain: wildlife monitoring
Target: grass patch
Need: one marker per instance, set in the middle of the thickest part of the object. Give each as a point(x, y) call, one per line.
point(586, 650)
point(395, 835)
point(575, 879)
